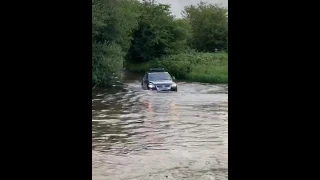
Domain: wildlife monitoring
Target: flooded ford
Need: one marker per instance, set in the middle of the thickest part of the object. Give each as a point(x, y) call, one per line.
point(147, 135)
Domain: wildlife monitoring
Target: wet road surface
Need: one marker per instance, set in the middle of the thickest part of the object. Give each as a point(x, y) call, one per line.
point(143, 135)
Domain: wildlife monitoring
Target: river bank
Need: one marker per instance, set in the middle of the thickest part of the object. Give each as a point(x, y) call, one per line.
point(191, 67)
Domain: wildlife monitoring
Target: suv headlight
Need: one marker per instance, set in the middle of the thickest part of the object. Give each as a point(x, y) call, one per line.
point(173, 84)
point(150, 85)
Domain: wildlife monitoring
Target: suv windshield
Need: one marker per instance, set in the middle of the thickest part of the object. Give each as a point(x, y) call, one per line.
point(159, 76)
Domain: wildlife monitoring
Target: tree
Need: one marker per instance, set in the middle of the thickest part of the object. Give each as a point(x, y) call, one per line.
point(112, 24)
point(209, 24)
point(158, 33)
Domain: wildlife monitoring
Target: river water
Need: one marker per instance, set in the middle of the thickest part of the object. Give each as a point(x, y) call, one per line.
point(146, 135)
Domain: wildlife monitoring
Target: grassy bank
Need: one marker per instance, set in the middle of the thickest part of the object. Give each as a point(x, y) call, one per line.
point(197, 67)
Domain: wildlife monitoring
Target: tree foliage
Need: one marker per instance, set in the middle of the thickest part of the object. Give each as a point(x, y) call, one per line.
point(158, 33)
point(131, 30)
point(209, 24)
point(112, 24)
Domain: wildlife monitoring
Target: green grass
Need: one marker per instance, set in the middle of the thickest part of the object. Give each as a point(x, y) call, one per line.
point(208, 74)
point(193, 66)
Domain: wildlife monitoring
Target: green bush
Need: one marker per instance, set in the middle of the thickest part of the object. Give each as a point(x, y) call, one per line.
point(107, 63)
point(192, 66)
point(209, 74)
point(201, 67)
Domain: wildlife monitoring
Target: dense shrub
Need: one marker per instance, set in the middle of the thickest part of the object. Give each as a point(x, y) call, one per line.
point(193, 66)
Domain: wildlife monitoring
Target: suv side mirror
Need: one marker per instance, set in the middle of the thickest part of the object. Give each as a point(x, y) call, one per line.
point(173, 78)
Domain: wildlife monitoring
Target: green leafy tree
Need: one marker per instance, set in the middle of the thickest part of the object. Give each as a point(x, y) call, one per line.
point(112, 24)
point(158, 33)
point(209, 24)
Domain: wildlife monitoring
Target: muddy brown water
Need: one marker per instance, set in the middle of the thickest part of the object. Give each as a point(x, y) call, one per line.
point(144, 135)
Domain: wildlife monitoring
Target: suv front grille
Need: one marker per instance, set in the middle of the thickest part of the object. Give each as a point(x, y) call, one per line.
point(163, 85)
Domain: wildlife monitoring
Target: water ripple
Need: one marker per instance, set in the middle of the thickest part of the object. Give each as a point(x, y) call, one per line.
point(139, 134)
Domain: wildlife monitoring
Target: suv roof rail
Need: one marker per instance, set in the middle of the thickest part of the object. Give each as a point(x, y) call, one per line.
point(156, 70)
